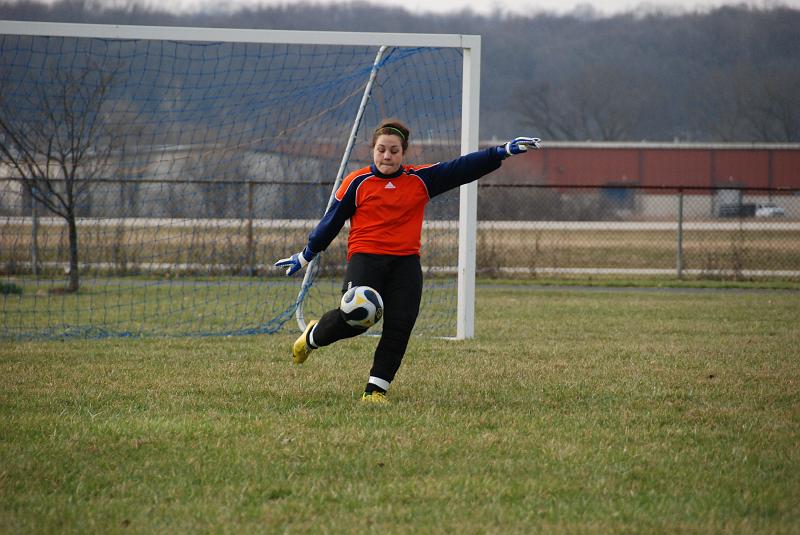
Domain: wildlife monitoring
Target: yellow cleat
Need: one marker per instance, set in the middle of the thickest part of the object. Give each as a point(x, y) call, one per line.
point(300, 349)
point(375, 397)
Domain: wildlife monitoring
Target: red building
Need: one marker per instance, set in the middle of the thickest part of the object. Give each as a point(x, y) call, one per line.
point(657, 165)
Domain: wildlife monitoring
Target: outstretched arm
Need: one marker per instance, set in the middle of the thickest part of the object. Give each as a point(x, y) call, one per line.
point(470, 167)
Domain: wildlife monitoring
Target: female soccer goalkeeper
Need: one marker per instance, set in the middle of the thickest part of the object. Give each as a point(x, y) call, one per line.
point(385, 204)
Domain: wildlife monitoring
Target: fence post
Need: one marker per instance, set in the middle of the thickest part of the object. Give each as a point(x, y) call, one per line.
point(34, 234)
point(250, 247)
point(679, 254)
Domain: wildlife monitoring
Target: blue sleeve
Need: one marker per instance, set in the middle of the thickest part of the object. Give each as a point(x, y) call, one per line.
point(462, 170)
point(332, 222)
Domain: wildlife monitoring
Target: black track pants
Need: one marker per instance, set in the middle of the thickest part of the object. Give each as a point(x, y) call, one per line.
point(399, 281)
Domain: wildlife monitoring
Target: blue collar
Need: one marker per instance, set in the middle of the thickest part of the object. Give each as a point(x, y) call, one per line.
point(381, 175)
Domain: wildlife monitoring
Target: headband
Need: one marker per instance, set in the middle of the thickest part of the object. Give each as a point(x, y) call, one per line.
point(399, 132)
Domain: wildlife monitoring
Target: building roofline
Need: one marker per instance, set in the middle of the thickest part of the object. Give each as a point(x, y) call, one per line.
point(659, 145)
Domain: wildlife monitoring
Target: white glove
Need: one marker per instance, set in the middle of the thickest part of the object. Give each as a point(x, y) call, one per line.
point(296, 262)
point(519, 145)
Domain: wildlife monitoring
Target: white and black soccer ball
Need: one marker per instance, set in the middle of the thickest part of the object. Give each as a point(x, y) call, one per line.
point(362, 307)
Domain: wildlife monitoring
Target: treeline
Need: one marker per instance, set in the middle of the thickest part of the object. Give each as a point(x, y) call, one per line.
point(732, 74)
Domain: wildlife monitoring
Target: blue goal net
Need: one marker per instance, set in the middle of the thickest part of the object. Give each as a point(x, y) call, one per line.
point(148, 185)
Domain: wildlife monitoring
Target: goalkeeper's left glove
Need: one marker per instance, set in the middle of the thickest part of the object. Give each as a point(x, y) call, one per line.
point(518, 145)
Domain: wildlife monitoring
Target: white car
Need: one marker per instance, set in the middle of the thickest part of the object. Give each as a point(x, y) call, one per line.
point(769, 209)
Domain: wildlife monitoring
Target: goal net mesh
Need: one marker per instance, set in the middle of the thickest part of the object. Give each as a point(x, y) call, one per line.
point(189, 168)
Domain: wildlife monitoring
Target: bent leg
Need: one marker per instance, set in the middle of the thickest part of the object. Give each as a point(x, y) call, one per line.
point(331, 328)
point(362, 270)
point(402, 294)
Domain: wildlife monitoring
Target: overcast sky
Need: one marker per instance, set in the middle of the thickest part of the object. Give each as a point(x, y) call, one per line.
point(607, 7)
point(483, 7)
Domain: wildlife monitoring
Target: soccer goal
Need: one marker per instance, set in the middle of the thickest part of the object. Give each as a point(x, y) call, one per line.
point(150, 176)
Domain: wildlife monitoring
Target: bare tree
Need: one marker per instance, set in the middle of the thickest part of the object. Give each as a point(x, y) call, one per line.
point(57, 141)
point(597, 102)
point(752, 103)
point(723, 98)
point(775, 110)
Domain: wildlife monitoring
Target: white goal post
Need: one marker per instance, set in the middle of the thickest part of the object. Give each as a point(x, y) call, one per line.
point(469, 45)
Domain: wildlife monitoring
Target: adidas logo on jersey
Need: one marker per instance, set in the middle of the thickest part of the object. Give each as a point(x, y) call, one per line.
point(389, 186)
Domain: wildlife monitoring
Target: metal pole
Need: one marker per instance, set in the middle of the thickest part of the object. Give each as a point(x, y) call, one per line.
point(301, 321)
point(34, 234)
point(679, 260)
point(468, 194)
point(250, 245)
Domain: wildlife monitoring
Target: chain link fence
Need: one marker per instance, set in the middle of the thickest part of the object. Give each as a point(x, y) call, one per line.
point(636, 231)
point(523, 230)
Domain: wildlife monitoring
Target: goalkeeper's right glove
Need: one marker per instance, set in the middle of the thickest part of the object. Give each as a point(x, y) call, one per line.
point(297, 261)
point(518, 145)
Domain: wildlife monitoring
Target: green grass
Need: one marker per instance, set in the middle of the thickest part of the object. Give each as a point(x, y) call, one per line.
point(570, 412)
point(618, 281)
point(138, 306)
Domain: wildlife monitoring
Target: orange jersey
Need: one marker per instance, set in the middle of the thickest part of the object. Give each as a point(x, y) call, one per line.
point(386, 211)
point(389, 212)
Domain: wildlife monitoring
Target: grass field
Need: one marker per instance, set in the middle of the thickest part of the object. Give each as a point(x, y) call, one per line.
point(572, 411)
point(202, 306)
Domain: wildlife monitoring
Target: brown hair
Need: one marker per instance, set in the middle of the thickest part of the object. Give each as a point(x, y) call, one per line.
point(392, 127)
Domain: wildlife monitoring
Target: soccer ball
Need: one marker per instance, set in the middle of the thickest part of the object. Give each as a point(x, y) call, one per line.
point(362, 307)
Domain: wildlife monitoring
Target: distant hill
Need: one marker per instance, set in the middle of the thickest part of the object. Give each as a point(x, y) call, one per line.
point(732, 74)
